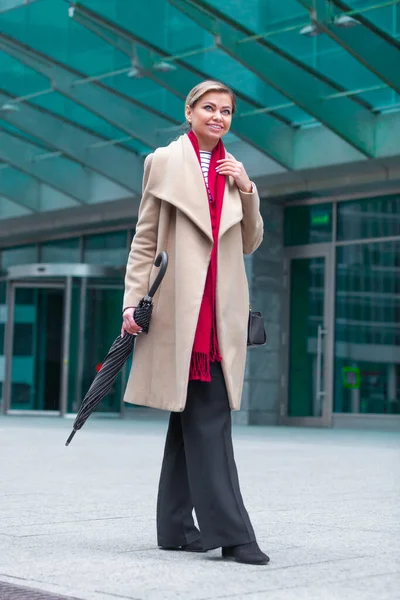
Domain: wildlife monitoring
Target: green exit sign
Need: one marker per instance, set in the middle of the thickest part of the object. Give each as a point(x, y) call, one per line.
point(320, 219)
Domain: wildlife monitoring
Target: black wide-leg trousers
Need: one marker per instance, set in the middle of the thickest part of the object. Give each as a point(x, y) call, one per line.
point(199, 472)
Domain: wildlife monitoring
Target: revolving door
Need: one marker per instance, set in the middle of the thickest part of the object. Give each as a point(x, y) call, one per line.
point(59, 321)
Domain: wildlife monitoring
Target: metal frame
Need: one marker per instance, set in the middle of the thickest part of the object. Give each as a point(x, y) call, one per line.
point(262, 131)
point(8, 346)
point(71, 179)
point(7, 5)
point(257, 122)
point(329, 250)
point(51, 276)
point(370, 45)
point(12, 286)
point(122, 166)
point(353, 121)
point(81, 335)
point(135, 118)
point(66, 346)
point(342, 197)
point(293, 253)
point(21, 189)
point(33, 413)
point(68, 235)
point(59, 271)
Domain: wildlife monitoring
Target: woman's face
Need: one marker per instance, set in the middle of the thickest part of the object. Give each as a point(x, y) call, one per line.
point(210, 118)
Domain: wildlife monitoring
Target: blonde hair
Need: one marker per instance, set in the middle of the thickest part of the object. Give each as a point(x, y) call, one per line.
point(209, 86)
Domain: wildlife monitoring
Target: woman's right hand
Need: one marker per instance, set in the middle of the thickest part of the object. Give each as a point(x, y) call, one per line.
point(129, 325)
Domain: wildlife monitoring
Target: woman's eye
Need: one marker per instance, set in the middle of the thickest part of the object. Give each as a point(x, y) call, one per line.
point(209, 108)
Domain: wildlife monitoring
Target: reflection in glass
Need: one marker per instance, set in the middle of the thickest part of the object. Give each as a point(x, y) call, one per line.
point(310, 224)
point(307, 277)
point(369, 218)
point(60, 251)
point(102, 325)
point(37, 349)
point(21, 255)
point(108, 249)
point(367, 344)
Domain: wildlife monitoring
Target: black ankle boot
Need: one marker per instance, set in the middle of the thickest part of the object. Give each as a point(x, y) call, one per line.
point(249, 554)
point(195, 546)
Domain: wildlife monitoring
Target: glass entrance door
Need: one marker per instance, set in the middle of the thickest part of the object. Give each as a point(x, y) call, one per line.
point(35, 347)
point(59, 322)
point(307, 377)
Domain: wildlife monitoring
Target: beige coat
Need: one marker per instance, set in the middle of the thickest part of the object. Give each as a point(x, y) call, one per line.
point(174, 216)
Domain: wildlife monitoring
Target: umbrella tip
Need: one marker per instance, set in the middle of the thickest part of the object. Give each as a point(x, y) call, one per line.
point(70, 437)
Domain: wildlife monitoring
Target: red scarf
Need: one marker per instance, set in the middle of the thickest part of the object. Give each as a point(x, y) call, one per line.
point(205, 347)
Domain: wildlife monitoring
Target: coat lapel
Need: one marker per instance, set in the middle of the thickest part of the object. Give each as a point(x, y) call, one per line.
point(232, 212)
point(176, 177)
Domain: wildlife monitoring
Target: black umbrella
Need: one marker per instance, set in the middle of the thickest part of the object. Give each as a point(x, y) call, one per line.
point(119, 352)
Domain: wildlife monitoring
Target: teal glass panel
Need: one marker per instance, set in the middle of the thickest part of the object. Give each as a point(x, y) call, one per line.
point(20, 80)
point(369, 218)
point(311, 224)
point(307, 277)
point(29, 138)
point(20, 255)
point(367, 329)
point(340, 66)
point(47, 27)
point(102, 326)
point(173, 32)
point(36, 365)
point(281, 24)
point(330, 59)
point(108, 249)
point(60, 251)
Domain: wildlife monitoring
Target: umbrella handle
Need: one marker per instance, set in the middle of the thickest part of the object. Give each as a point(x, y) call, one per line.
point(162, 259)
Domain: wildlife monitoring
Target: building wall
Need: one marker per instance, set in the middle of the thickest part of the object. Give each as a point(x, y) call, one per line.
point(364, 238)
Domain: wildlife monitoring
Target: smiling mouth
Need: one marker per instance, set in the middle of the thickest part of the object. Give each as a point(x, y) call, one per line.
point(215, 127)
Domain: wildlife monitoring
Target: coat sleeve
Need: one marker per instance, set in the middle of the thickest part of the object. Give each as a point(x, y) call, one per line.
point(252, 223)
point(144, 244)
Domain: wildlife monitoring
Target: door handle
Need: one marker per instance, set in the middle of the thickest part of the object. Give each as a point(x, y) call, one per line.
point(319, 391)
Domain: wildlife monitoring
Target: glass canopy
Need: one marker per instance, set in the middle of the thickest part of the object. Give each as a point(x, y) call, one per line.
point(89, 88)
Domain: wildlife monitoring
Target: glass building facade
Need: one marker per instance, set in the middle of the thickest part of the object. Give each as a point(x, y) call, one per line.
point(46, 359)
point(355, 262)
point(90, 88)
point(340, 315)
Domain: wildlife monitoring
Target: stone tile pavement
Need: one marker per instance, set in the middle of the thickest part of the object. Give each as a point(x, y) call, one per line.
point(80, 522)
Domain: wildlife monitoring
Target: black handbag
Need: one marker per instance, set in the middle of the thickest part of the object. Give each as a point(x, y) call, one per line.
point(256, 335)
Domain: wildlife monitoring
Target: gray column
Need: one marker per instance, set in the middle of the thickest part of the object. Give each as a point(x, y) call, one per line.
point(262, 382)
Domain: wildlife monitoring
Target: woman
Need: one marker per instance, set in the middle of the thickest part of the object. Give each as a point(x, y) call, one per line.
point(200, 206)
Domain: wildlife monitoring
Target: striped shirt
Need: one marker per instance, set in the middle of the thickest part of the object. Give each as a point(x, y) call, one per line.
point(205, 158)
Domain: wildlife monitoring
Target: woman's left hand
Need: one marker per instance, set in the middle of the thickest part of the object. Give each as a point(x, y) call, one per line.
point(235, 169)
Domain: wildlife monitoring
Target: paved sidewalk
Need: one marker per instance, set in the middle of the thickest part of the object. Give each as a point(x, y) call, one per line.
point(80, 521)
